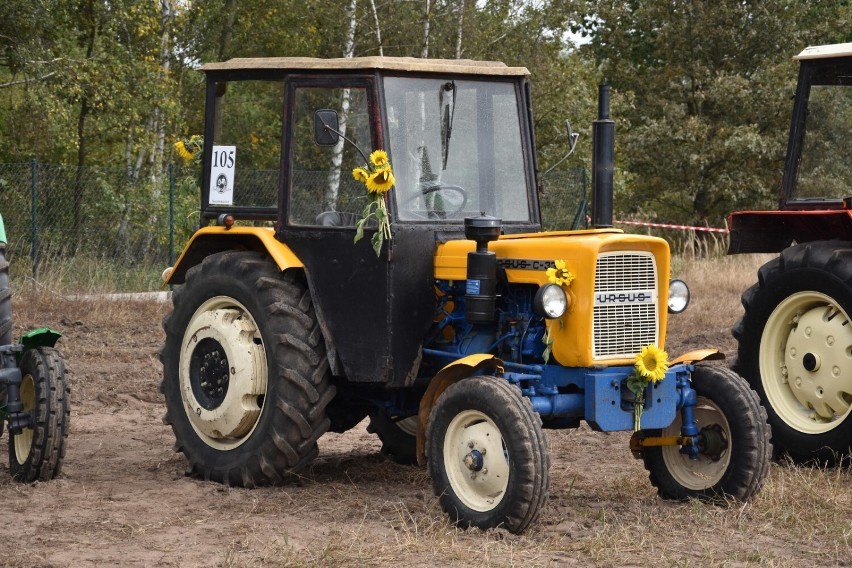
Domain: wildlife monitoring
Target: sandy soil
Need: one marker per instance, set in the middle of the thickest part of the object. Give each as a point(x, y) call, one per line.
point(123, 498)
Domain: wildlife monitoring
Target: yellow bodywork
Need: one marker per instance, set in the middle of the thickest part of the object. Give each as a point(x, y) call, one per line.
point(210, 240)
point(572, 340)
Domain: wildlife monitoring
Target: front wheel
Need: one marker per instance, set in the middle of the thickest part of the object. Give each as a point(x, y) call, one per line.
point(733, 437)
point(36, 453)
point(487, 455)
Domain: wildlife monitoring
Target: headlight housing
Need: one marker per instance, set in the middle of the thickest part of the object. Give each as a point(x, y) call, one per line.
point(678, 296)
point(550, 301)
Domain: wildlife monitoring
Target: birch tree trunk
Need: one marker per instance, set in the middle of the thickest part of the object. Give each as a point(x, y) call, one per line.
point(333, 188)
point(460, 27)
point(378, 27)
point(424, 53)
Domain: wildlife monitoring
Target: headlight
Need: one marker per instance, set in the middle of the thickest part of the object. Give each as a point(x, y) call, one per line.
point(550, 301)
point(678, 296)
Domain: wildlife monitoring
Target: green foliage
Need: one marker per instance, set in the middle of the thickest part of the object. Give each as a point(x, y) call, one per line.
point(711, 84)
point(701, 90)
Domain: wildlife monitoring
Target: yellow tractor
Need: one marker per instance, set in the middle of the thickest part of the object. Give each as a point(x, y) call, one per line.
point(373, 248)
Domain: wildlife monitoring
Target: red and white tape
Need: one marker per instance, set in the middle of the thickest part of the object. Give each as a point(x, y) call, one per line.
point(668, 226)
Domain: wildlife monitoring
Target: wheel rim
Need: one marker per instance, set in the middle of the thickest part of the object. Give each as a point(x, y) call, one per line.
point(223, 373)
point(409, 425)
point(476, 460)
point(709, 468)
point(806, 344)
point(24, 440)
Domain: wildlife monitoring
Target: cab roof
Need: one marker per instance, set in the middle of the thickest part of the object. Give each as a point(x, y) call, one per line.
point(824, 51)
point(411, 64)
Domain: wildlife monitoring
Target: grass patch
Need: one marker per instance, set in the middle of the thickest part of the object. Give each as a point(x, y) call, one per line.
point(86, 274)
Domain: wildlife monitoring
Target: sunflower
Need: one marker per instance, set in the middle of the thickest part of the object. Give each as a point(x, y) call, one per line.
point(652, 363)
point(380, 181)
point(183, 152)
point(560, 275)
point(360, 174)
point(379, 158)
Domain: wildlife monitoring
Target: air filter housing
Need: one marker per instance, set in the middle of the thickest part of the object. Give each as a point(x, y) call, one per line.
point(481, 290)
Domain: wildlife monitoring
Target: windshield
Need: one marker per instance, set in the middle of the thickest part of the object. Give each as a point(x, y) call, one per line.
point(456, 149)
point(825, 167)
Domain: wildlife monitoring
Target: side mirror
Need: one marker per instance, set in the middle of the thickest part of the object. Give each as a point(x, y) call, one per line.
point(572, 144)
point(326, 126)
point(572, 137)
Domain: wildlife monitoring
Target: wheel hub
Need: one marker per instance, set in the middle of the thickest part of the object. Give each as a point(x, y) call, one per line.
point(474, 460)
point(209, 373)
point(713, 442)
point(810, 362)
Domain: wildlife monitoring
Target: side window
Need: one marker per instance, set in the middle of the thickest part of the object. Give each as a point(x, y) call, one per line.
point(247, 144)
point(323, 191)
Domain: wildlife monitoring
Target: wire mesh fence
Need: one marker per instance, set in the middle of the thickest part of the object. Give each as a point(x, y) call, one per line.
point(65, 212)
point(564, 200)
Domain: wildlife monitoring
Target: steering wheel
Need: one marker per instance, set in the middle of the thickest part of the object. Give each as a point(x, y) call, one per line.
point(441, 205)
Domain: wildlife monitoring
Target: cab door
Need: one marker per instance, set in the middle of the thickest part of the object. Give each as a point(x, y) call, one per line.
point(374, 311)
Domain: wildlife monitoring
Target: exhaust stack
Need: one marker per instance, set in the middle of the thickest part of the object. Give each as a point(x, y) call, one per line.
point(603, 150)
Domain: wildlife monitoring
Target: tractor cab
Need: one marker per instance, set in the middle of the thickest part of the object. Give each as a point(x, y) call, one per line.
point(281, 142)
point(816, 188)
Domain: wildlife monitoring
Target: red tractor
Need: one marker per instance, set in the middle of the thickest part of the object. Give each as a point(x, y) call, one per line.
point(795, 337)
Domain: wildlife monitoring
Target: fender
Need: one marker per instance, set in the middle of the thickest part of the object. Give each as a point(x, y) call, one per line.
point(698, 355)
point(40, 337)
point(452, 373)
point(213, 239)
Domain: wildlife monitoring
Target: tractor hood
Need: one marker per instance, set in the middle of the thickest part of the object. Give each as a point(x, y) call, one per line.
point(526, 256)
point(598, 282)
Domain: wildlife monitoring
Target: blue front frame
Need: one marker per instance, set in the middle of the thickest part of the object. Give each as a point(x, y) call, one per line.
point(597, 395)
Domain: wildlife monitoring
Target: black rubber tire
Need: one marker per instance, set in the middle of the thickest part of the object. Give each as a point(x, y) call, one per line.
point(738, 471)
point(282, 438)
point(5, 314)
point(493, 407)
point(799, 275)
point(398, 441)
point(36, 454)
point(5, 300)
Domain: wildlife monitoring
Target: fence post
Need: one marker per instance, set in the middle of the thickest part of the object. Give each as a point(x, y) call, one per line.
point(171, 215)
point(34, 218)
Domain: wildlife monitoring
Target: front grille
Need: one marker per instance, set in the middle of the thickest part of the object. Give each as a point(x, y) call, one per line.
point(626, 304)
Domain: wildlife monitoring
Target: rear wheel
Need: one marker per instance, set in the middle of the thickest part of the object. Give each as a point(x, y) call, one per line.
point(733, 437)
point(36, 454)
point(795, 349)
point(399, 437)
point(487, 455)
point(246, 378)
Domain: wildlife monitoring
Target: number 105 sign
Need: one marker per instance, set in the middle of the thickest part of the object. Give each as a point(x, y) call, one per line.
point(222, 175)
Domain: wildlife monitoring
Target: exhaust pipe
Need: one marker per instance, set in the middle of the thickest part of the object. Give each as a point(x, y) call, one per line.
point(603, 150)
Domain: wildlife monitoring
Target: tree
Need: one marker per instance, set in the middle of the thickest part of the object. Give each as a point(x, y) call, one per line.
point(711, 84)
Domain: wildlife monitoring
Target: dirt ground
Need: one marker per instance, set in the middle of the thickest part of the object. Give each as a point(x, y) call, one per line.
point(123, 498)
